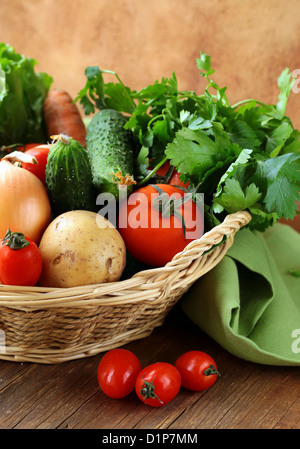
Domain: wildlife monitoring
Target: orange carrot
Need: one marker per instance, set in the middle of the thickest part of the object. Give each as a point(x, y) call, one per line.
point(63, 117)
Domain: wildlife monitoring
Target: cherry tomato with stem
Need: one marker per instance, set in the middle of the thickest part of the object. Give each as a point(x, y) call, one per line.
point(158, 383)
point(20, 260)
point(117, 372)
point(198, 370)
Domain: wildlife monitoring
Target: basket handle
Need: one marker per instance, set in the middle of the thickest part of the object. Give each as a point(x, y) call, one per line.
point(195, 249)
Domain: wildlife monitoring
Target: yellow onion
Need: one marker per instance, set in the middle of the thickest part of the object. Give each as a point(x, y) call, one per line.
point(24, 201)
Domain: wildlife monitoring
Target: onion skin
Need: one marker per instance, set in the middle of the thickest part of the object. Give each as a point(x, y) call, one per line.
point(24, 202)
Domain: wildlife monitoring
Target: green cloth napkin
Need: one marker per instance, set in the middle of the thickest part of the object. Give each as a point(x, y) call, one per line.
point(250, 303)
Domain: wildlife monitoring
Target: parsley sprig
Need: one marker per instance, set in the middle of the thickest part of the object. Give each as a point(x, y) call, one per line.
point(243, 156)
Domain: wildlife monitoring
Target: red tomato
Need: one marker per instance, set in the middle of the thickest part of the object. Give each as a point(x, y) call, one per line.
point(40, 152)
point(20, 260)
point(28, 146)
point(117, 372)
point(175, 177)
point(176, 181)
point(197, 369)
point(152, 236)
point(163, 169)
point(158, 384)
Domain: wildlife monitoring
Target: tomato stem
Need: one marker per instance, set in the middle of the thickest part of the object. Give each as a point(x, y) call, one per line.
point(211, 370)
point(15, 240)
point(147, 390)
point(168, 206)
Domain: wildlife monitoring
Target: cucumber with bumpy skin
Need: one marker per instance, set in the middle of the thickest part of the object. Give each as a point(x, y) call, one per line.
point(110, 150)
point(69, 177)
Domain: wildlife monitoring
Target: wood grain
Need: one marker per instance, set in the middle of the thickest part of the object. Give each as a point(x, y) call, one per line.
point(67, 396)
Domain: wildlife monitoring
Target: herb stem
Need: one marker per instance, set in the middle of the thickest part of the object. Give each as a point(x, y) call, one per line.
point(156, 117)
point(111, 72)
point(240, 103)
point(149, 176)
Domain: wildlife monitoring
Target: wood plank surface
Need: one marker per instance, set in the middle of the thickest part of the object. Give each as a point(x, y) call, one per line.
point(67, 396)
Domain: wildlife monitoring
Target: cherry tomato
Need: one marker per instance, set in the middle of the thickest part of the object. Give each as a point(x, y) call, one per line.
point(158, 384)
point(154, 227)
point(198, 370)
point(20, 260)
point(117, 372)
point(40, 152)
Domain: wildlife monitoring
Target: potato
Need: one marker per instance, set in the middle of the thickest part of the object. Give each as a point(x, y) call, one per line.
point(80, 248)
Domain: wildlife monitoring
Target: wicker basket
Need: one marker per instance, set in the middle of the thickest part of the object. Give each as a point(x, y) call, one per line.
point(47, 325)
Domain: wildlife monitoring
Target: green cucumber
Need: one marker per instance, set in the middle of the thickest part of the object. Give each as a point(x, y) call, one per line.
point(110, 150)
point(69, 177)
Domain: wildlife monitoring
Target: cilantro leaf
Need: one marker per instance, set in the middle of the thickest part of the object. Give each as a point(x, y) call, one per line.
point(118, 97)
point(142, 162)
point(204, 64)
point(162, 131)
point(285, 84)
point(92, 95)
point(242, 159)
point(242, 134)
point(279, 180)
point(261, 220)
point(212, 175)
point(233, 199)
point(277, 138)
point(192, 153)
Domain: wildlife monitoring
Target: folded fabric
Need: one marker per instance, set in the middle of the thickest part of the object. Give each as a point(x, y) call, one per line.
point(250, 302)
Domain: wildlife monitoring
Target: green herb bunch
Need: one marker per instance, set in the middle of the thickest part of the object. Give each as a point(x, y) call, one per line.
point(242, 157)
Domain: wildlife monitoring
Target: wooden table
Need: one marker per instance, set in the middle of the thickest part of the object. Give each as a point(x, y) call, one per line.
point(246, 396)
point(67, 396)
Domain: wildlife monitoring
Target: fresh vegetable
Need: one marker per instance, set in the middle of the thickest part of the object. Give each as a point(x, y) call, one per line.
point(198, 370)
point(158, 384)
point(111, 152)
point(243, 156)
point(22, 94)
point(175, 180)
point(170, 175)
point(158, 221)
point(79, 248)
point(40, 152)
point(117, 372)
point(20, 260)
point(24, 202)
point(7, 149)
point(68, 176)
point(63, 117)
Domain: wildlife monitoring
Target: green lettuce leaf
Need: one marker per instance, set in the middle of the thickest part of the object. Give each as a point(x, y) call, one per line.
point(22, 95)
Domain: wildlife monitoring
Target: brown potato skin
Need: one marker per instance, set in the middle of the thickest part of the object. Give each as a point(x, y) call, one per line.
point(81, 248)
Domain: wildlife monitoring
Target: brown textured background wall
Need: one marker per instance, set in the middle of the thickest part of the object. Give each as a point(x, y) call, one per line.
point(250, 41)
